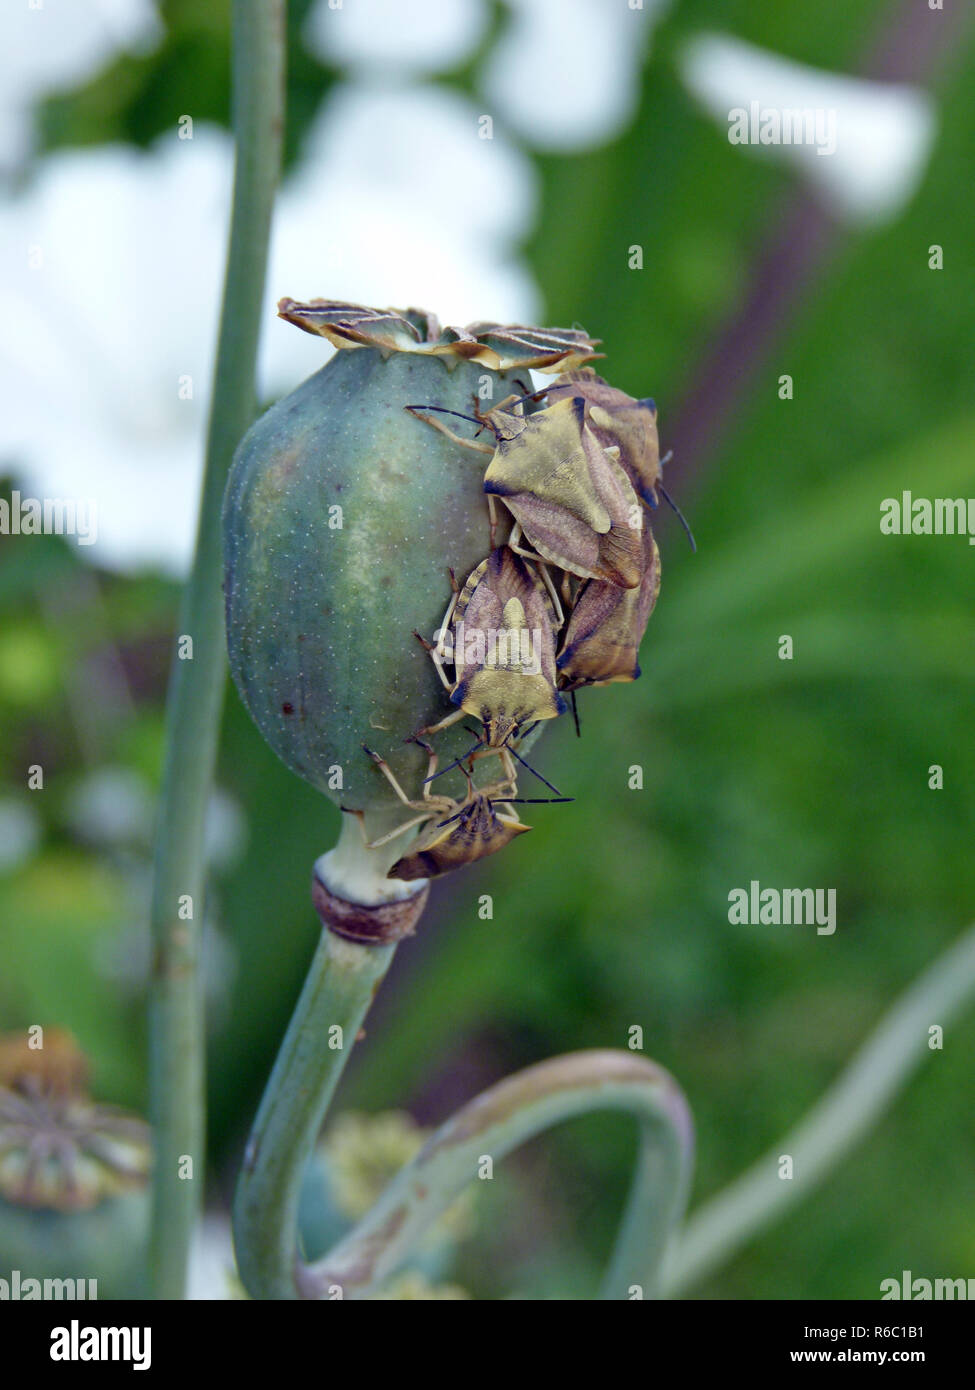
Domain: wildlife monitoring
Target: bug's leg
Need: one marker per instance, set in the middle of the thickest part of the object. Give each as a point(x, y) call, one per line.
point(501, 791)
point(547, 581)
point(438, 660)
point(433, 649)
point(390, 776)
point(508, 764)
point(402, 829)
point(513, 544)
point(501, 406)
point(493, 519)
point(496, 517)
point(445, 635)
point(445, 429)
point(486, 750)
point(431, 753)
point(444, 723)
point(566, 588)
point(448, 617)
point(442, 650)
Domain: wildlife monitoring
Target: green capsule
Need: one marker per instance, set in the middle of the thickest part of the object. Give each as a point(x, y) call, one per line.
point(343, 518)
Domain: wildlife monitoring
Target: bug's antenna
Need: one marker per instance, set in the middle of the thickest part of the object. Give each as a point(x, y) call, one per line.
point(442, 410)
point(683, 520)
point(450, 766)
point(575, 713)
point(533, 772)
point(529, 800)
point(528, 396)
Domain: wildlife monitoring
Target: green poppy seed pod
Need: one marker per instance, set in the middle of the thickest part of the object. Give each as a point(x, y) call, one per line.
point(344, 516)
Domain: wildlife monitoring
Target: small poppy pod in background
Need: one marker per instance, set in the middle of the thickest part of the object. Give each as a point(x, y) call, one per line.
point(74, 1194)
point(343, 517)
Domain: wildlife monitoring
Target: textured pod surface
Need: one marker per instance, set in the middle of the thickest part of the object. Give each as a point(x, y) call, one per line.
point(342, 517)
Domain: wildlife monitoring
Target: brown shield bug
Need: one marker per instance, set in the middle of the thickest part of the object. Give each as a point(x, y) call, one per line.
point(616, 419)
point(498, 634)
point(569, 496)
point(459, 832)
point(603, 634)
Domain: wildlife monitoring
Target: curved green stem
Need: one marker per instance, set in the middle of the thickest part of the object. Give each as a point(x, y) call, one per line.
point(197, 684)
point(340, 986)
point(846, 1112)
point(499, 1120)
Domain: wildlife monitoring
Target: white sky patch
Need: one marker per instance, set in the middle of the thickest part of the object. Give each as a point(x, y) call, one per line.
point(397, 202)
point(565, 74)
point(60, 45)
point(121, 306)
point(884, 132)
point(400, 203)
point(412, 35)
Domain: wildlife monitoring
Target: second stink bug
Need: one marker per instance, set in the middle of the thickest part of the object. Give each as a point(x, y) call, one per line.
point(499, 636)
point(603, 634)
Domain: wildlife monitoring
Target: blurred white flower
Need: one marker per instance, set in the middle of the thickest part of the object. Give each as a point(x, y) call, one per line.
point(20, 833)
point(412, 35)
point(112, 806)
point(112, 261)
point(112, 270)
point(225, 830)
point(399, 202)
point(565, 74)
point(60, 44)
point(884, 133)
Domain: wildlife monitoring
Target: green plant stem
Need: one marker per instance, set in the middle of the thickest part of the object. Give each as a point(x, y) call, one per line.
point(338, 990)
point(501, 1119)
point(197, 685)
point(341, 983)
point(846, 1112)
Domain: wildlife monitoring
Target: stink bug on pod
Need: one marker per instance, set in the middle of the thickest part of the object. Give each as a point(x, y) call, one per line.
point(461, 831)
point(569, 496)
point(499, 635)
point(616, 419)
point(603, 634)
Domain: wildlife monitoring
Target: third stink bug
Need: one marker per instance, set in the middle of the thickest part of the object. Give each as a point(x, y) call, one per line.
point(455, 832)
